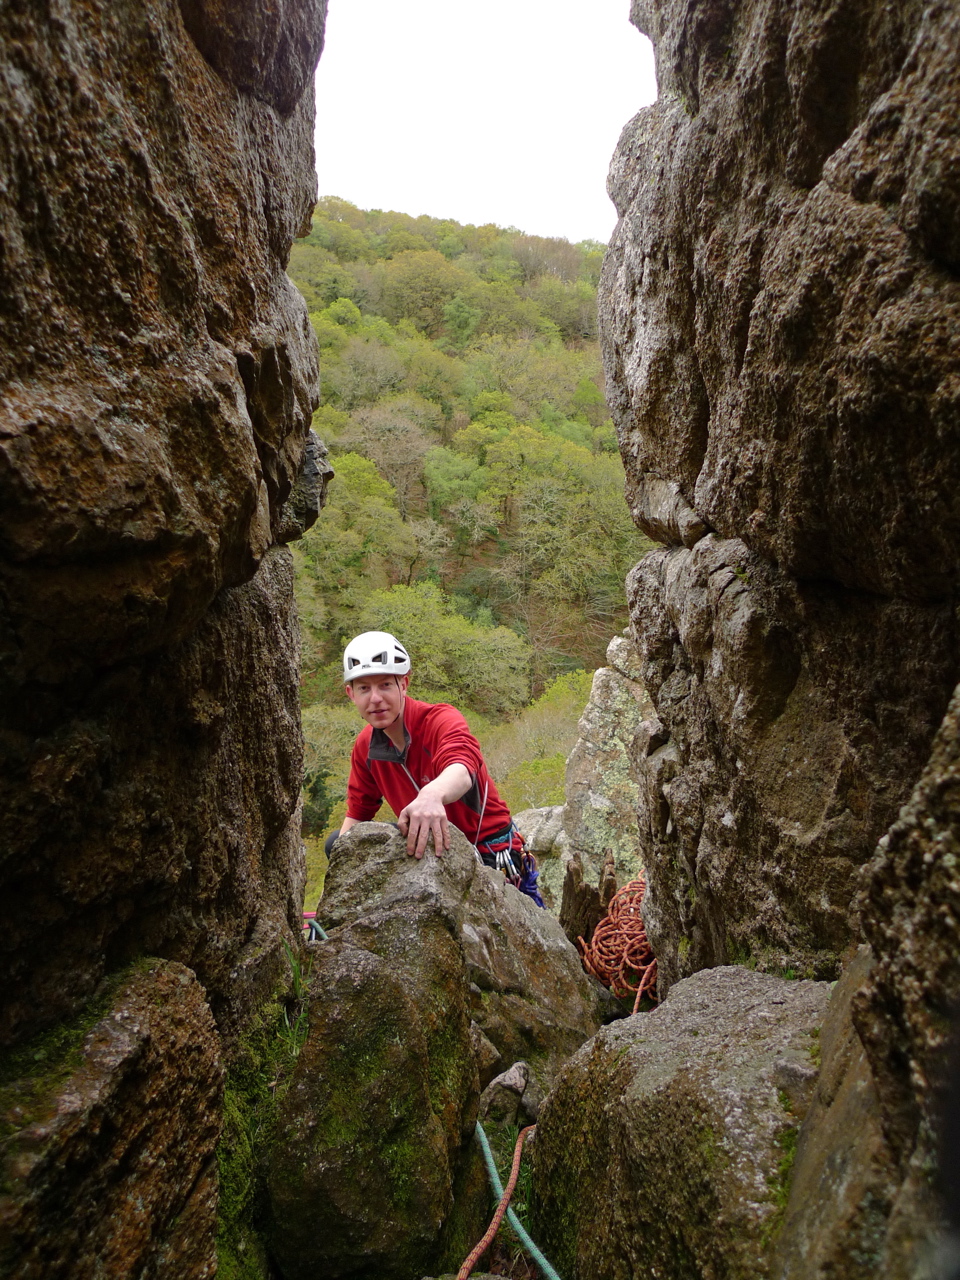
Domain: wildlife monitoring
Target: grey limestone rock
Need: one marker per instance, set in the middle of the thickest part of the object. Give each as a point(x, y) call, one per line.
point(435, 969)
point(529, 995)
point(600, 813)
point(663, 1147)
point(305, 503)
point(157, 379)
point(128, 1097)
point(778, 316)
point(843, 1179)
point(158, 376)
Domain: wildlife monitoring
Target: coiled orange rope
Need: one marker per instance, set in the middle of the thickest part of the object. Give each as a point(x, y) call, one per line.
point(619, 953)
point(481, 1248)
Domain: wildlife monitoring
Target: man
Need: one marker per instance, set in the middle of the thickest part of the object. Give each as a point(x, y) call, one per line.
point(423, 759)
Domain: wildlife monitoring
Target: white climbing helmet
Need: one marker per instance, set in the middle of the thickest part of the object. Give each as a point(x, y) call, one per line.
point(375, 653)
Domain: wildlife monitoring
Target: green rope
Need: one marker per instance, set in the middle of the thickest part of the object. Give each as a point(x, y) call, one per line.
point(512, 1218)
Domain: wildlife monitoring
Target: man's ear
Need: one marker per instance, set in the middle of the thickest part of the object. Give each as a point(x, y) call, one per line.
point(348, 690)
point(404, 683)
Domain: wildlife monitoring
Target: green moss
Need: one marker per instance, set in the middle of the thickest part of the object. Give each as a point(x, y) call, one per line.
point(740, 953)
point(33, 1074)
point(446, 1070)
point(815, 1049)
point(255, 1083)
point(707, 1146)
point(779, 1183)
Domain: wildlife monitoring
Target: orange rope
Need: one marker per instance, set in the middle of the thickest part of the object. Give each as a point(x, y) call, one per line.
point(481, 1248)
point(619, 953)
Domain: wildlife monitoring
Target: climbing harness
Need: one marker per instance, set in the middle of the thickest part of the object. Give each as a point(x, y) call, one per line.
point(503, 1207)
point(507, 851)
point(619, 953)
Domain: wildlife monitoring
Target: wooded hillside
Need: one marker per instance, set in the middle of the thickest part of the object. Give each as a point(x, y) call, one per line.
point(478, 506)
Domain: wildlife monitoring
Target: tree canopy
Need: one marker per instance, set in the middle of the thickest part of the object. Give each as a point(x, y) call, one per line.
point(477, 508)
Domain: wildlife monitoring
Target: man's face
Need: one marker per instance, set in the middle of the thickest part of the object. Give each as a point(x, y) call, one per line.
point(379, 699)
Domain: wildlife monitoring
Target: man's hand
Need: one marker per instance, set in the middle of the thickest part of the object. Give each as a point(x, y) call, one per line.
point(426, 816)
point(421, 818)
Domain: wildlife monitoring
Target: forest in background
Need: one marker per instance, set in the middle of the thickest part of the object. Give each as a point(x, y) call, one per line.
point(477, 509)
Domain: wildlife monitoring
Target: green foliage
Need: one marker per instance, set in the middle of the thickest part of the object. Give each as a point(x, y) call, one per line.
point(527, 757)
point(534, 783)
point(317, 802)
point(418, 286)
point(460, 320)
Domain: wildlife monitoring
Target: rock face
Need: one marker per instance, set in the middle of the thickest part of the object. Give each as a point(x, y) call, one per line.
point(129, 1109)
point(778, 312)
point(863, 1198)
point(435, 971)
point(384, 1098)
point(664, 1148)
point(157, 379)
point(600, 813)
point(843, 1179)
point(907, 1011)
point(527, 991)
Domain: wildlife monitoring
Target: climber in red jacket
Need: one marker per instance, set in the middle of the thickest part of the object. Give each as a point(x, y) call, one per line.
point(423, 759)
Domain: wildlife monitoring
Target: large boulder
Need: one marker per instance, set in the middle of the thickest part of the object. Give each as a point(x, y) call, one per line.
point(778, 314)
point(433, 970)
point(844, 1178)
point(528, 993)
point(384, 1098)
point(665, 1146)
point(110, 1126)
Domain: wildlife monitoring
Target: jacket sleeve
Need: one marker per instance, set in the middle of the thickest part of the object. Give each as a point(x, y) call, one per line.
point(452, 742)
point(363, 795)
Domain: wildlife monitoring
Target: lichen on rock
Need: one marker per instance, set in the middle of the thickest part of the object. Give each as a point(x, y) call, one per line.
point(776, 316)
point(157, 379)
point(600, 812)
point(158, 375)
point(128, 1096)
point(429, 964)
point(665, 1146)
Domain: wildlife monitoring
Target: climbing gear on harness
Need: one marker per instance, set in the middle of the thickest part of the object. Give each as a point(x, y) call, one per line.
point(507, 852)
point(375, 653)
point(504, 1199)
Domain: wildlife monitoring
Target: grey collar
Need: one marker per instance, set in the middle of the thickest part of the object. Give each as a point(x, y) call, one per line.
point(381, 748)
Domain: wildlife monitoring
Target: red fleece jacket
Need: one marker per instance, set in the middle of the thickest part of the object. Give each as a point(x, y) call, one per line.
point(436, 736)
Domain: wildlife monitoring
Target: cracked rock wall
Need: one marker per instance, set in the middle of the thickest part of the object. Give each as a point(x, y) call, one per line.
point(779, 315)
point(158, 377)
point(157, 380)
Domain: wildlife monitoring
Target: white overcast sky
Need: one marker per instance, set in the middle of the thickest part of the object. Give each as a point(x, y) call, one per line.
point(502, 111)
